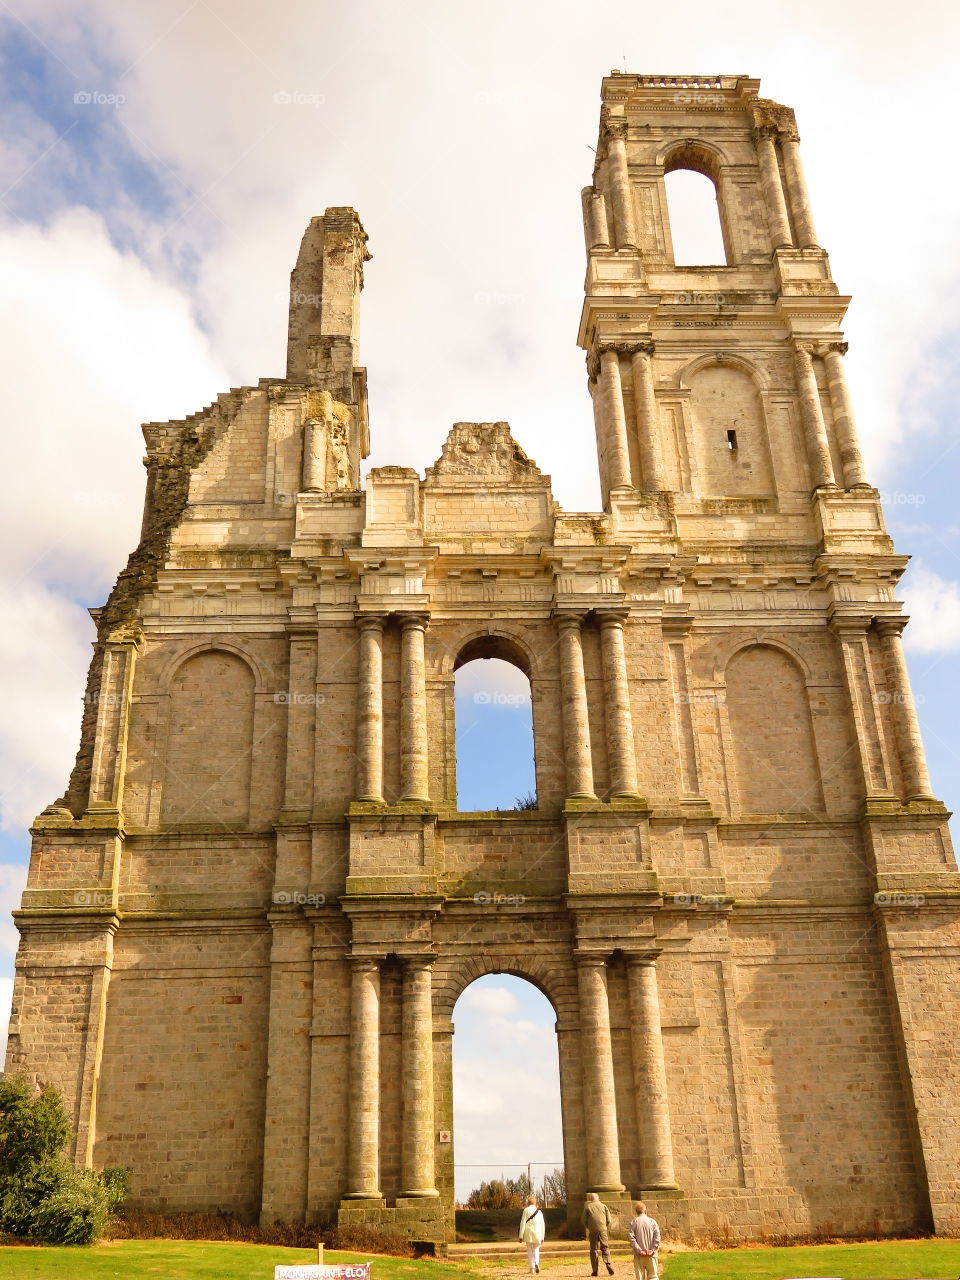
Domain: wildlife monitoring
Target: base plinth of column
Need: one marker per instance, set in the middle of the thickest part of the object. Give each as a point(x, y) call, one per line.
point(427, 1194)
point(375, 1199)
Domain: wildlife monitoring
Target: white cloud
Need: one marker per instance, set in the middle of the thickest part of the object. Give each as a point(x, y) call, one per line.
point(94, 343)
point(933, 604)
point(6, 996)
point(496, 1002)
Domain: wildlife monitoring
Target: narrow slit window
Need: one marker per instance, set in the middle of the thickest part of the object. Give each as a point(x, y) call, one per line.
point(732, 441)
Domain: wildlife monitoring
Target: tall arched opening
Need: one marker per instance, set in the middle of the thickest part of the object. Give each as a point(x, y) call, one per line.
point(493, 708)
point(507, 1122)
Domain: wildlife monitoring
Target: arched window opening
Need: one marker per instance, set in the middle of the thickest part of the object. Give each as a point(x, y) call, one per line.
point(506, 1098)
point(494, 730)
point(695, 225)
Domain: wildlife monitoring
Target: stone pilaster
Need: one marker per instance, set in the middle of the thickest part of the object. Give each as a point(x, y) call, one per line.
point(113, 718)
point(414, 756)
point(370, 710)
point(576, 721)
point(364, 1084)
point(650, 1075)
point(913, 762)
point(811, 411)
point(852, 634)
point(418, 1175)
point(613, 421)
point(648, 418)
point(595, 219)
point(620, 191)
point(776, 205)
point(621, 750)
point(599, 1095)
point(797, 191)
point(851, 460)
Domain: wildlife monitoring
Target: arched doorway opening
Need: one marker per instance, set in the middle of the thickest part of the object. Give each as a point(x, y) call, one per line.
point(493, 709)
point(507, 1127)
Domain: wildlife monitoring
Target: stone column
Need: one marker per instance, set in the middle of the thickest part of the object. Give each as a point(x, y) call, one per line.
point(648, 418)
point(417, 1143)
point(370, 710)
point(414, 774)
point(624, 222)
point(613, 420)
point(621, 749)
point(599, 1094)
point(811, 412)
point(576, 720)
point(773, 188)
point(108, 767)
point(797, 191)
point(913, 763)
point(314, 456)
point(650, 1072)
point(851, 460)
point(364, 1084)
point(595, 219)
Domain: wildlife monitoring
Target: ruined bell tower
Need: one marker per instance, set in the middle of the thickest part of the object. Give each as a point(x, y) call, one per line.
point(250, 916)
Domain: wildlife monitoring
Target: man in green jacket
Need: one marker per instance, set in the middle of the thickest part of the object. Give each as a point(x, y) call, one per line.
point(596, 1220)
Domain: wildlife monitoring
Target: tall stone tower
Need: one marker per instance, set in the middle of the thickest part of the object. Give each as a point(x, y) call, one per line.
point(248, 920)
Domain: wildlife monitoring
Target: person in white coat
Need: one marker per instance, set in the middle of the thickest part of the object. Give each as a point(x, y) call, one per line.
point(532, 1230)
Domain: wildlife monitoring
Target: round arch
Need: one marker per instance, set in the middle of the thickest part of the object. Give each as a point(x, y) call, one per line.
point(725, 655)
point(176, 661)
point(690, 153)
point(760, 379)
point(491, 642)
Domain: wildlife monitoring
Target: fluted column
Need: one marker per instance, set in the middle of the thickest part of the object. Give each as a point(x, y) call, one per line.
point(621, 750)
point(314, 476)
point(370, 710)
point(595, 219)
point(913, 762)
point(648, 418)
point(811, 412)
point(576, 720)
point(797, 191)
point(622, 197)
point(599, 1094)
point(773, 188)
point(650, 1072)
point(364, 1084)
point(414, 778)
point(851, 460)
point(616, 447)
point(417, 1142)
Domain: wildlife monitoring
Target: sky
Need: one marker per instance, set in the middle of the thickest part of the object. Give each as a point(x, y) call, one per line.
point(161, 158)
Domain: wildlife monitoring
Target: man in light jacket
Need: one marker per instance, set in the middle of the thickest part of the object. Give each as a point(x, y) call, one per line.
point(596, 1220)
point(532, 1230)
point(645, 1241)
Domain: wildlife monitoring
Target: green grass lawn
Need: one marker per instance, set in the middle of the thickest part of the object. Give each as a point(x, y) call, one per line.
point(902, 1260)
point(192, 1260)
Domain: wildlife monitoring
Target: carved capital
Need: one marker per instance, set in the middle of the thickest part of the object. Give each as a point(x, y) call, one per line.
point(890, 626)
point(841, 348)
point(413, 621)
point(614, 129)
point(371, 621)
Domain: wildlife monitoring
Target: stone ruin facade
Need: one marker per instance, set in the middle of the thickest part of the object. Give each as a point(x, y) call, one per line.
point(248, 919)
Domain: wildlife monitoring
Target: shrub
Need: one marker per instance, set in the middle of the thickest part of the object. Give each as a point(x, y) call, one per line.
point(42, 1196)
point(76, 1212)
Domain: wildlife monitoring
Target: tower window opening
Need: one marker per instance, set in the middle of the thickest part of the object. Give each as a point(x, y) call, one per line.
point(694, 213)
point(494, 732)
point(732, 441)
